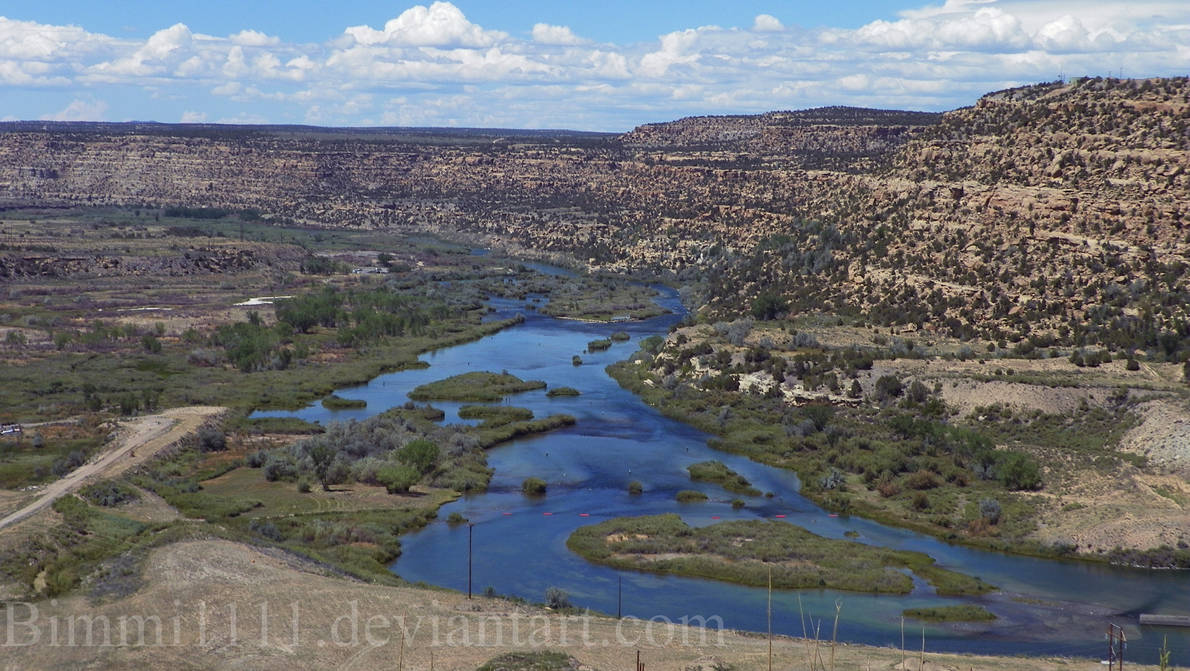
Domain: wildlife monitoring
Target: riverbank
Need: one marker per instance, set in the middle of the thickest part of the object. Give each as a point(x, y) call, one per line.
point(892, 451)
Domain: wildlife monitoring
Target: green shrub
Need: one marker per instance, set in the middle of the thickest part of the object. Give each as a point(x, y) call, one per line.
point(921, 502)
point(690, 496)
point(398, 478)
point(109, 493)
point(211, 439)
point(635, 488)
point(556, 598)
point(533, 486)
point(1018, 471)
point(990, 510)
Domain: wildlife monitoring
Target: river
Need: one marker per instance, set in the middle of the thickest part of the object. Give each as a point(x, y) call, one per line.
point(1044, 607)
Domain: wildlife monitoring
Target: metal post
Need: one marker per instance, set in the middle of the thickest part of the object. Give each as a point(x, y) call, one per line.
point(1111, 647)
point(770, 618)
point(619, 597)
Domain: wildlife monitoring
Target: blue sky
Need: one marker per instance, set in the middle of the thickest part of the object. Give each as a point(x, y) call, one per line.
point(617, 21)
point(607, 65)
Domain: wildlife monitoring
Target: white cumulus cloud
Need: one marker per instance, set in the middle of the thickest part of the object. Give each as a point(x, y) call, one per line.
point(440, 24)
point(254, 38)
point(767, 23)
point(79, 110)
point(544, 33)
point(443, 68)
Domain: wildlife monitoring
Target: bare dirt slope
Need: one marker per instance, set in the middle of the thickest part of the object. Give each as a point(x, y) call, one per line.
point(136, 441)
point(192, 587)
point(1163, 435)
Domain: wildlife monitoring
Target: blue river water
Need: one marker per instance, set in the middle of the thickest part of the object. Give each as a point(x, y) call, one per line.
point(1044, 606)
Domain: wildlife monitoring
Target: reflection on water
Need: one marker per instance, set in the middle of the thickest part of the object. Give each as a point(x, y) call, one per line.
point(1046, 607)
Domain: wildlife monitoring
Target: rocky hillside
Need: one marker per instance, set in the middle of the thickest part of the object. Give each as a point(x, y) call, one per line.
point(837, 137)
point(1048, 214)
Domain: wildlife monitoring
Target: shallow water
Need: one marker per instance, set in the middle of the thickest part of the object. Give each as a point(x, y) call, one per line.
point(519, 542)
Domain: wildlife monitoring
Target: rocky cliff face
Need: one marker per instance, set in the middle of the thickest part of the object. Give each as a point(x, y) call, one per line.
point(1057, 209)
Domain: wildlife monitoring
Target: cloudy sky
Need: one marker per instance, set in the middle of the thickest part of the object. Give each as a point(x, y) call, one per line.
point(596, 65)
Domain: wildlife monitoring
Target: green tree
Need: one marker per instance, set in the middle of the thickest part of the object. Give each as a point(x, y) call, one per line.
point(768, 305)
point(820, 415)
point(888, 386)
point(420, 454)
point(322, 455)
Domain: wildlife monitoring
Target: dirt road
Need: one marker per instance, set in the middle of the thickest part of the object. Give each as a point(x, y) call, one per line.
point(136, 441)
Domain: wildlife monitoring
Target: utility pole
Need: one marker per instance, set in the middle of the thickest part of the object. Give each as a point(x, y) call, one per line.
point(770, 618)
point(619, 597)
point(902, 641)
point(470, 528)
point(1116, 643)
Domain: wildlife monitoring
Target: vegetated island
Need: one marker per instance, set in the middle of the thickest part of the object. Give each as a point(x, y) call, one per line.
point(563, 391)
point(966, 612)
point(336, 402)
point(745, 551)
point(495, 415)
point(718, 473)
point(474, 387)
point(690, 496)
point(599, 345)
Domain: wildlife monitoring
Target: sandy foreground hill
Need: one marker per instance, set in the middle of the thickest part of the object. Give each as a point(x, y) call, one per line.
point(218, 604)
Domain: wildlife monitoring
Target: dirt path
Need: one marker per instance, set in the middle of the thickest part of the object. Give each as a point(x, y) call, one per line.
point(137, 440)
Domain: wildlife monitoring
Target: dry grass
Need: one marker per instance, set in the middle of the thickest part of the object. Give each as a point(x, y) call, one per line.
point(283, 498)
